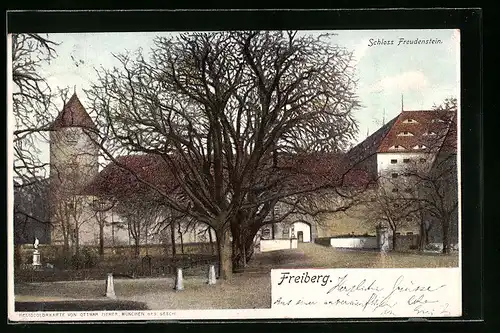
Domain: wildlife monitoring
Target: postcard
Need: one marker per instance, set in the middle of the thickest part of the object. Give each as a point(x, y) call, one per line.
point(234, 175)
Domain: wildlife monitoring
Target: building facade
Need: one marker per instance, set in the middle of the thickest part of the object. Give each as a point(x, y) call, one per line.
point(410, 143)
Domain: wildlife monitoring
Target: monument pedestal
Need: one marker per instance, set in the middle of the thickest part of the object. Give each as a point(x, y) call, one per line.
point(383, 240)
point(37, 263)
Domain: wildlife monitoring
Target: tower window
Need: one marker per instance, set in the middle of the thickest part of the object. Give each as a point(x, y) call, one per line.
point(394, 161)
point(406, 160)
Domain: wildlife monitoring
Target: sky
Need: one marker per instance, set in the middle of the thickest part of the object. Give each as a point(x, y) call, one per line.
point(389, 70)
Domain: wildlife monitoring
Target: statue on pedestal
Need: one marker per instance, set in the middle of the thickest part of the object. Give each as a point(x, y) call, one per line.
point(36, 254)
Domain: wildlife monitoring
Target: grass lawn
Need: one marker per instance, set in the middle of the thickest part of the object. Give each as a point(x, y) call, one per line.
point(250, 289)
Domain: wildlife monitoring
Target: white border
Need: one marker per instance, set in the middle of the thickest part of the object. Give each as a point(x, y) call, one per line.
point(171, 315)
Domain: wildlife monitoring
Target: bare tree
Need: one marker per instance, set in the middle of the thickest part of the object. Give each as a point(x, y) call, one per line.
point(217, 108)
point(32, 103)
point(140, 218)
point(437, 184)
point(101, 207)
point(392, 204)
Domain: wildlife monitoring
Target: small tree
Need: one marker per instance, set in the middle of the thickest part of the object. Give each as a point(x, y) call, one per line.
point(393, 204)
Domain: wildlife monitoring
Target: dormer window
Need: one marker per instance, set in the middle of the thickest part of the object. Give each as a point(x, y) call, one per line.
point(437, 120)
point(410, 121)
point(429, 133)
point(397, 147)
point(419, 147)
point(405, 133)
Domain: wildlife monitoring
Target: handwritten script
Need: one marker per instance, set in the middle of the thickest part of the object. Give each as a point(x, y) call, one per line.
point(368, 292)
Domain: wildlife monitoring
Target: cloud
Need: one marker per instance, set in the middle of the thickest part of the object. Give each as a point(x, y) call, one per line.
point(360, 50)
point(408, 81)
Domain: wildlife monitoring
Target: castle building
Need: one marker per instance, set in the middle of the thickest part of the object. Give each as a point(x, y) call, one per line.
point(414, 140)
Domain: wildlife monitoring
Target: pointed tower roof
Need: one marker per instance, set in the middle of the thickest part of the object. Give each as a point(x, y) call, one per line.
point(73, 115)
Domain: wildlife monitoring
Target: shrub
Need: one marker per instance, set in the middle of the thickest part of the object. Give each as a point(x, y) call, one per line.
point(87, 258)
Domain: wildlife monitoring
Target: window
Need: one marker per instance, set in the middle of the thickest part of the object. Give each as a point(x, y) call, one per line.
point(437, 121)
point(422, 160)
point(395, 190)
point(429, 133)
point(419, 147)
point(394, 161)
point(394, 175)
point(405, 133)
point(71, 138)
point(406, 160)
point(410, 121)
point(397, 147)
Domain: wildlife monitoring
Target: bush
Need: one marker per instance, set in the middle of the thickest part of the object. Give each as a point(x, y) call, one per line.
point(87, 258)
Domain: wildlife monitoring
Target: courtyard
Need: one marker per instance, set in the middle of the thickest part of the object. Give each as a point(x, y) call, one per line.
point(250, 289)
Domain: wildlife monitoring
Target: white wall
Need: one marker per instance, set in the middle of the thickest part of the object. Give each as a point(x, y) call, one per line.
point(384, 160)
point(355, 242)
point(305, 228)
point(267, 245)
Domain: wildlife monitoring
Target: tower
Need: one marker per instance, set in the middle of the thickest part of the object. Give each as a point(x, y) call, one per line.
point(73, 164)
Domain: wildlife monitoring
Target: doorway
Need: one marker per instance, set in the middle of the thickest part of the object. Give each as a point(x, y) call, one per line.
point(300, 236)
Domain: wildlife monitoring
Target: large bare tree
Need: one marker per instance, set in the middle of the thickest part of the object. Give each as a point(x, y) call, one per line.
point(32, 101)
point(219, 109)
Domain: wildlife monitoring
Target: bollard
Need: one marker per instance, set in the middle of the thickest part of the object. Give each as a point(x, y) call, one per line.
point(211, 275)
point(179, 283)
point(110, 286)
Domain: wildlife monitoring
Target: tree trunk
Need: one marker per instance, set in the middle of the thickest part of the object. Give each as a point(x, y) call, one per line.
point(225, 254)
point(137, 247)
point(211, 240)
point(18, 258)
point(423, 237)
point(446, 237)
point(172, 238)
point(101, 239)
point(182, 242)
point(394, 240)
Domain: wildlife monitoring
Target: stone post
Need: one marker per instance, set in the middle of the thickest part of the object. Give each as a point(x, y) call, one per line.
point(179, 283)
point(383, 238)
point(110, 286)
point(211, 275)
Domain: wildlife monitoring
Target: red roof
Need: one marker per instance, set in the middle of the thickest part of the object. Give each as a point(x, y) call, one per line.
point(126, 176)
point(73, 115)
point(425, 129)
